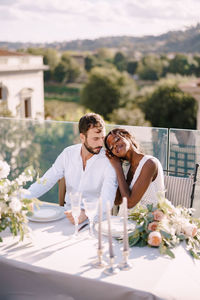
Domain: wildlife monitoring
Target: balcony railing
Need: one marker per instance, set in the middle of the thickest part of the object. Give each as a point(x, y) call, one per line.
point(28, 142)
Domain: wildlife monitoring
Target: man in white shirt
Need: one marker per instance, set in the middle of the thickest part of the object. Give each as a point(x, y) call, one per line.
point(84, 166)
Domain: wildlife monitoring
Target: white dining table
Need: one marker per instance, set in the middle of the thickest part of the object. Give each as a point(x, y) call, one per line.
point(50, 264)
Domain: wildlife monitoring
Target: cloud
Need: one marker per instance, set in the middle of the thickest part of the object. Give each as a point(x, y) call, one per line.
point(49, 20)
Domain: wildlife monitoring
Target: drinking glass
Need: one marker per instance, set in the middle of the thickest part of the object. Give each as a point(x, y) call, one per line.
point(76, 210)
point(90, 206)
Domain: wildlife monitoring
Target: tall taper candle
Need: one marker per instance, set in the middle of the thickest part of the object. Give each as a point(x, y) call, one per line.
point(125, 215)
point(100, 220)
point(109, 230)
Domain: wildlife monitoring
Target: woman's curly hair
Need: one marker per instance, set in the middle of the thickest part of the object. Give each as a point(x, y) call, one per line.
point(123, 133)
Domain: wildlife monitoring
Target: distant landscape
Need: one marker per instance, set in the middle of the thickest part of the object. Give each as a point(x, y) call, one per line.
point(185, 41)
point(128, 80)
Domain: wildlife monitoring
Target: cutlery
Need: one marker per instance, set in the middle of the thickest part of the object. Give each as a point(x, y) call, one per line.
point(83, 226)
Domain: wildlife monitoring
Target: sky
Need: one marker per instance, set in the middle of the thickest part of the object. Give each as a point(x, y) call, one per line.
point(66, 20)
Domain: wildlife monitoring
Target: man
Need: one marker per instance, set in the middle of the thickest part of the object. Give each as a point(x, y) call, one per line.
point(84, 166)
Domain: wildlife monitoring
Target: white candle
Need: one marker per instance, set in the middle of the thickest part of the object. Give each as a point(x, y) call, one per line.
point(125, 215)
point(100, 220)
point(109, 230)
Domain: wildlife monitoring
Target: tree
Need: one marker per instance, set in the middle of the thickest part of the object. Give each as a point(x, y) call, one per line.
point(120, 61)
point(150, 67)
point(129, 115)
point(106, 90)
point(90, 62)
point(67, 70)
point(170, 107)
point(101, 94)
point(182, 64)
point(131, 67)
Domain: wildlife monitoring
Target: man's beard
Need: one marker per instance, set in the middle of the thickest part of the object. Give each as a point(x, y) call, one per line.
point(91, 150)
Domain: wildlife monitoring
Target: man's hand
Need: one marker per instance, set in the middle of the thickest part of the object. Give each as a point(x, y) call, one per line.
point(81, 218)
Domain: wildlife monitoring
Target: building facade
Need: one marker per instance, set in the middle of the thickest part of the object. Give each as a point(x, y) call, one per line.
point(22, 84)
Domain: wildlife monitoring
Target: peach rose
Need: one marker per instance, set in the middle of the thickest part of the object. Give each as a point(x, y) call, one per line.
point(158, 215)
point(154, 238)
point(153, 226)
point(190, 230)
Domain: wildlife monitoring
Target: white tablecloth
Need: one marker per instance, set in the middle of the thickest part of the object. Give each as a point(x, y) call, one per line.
point(53, 266)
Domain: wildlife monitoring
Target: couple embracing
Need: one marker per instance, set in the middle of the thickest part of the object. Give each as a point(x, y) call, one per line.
point(93, 171)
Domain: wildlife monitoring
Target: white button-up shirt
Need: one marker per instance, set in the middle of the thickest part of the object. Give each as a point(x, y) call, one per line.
point(98, 178)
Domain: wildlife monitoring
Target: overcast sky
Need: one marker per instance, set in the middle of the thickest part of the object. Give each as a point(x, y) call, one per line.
point(64, 20)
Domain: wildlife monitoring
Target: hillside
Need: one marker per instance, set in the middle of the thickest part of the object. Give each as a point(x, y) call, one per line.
point(185, 41)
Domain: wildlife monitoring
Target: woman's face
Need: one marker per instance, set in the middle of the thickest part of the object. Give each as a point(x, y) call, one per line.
point(118, 145)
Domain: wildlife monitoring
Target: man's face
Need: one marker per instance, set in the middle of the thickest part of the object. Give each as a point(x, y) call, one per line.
point(93, 140)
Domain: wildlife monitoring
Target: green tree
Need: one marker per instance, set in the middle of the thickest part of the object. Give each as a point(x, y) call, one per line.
point(101, 94)
point(67, 70)
point(182, 64)
point(106, 90)
point(170, 107)
point(120, 61)
point(150, 67)
point(132, 67)
point(90, 62)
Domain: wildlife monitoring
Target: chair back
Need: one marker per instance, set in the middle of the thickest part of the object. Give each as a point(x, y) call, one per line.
point(180, 190)
point(61, 191)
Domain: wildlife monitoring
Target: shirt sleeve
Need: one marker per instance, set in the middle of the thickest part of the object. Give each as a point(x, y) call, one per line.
point(49, 179)
point(109, 187)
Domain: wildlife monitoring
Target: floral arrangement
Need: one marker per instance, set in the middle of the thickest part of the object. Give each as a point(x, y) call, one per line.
point(14, 203)
point(165, 226)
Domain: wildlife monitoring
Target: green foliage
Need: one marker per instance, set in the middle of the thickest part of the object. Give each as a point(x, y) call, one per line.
point(90, 62)
point(4, 111)
point(128, 115)
point(67, 70)
point(182, 64)
point(63, 111)
point(170, 107)
point(102, 93)
point(132, 67)
point(120, 61)
point(150, 68)
point(106, 90)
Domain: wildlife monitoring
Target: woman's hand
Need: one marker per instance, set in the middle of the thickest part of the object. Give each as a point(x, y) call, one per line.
point(81, 218)
point(114, 160)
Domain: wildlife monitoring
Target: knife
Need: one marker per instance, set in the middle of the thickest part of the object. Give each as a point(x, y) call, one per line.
point(83, 226)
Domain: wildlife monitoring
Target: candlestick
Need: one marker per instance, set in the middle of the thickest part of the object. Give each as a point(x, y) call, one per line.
point(125, 265)
point(99, 263)
point(125, 215)
point(110, 269)
point(109, 231)
point(99, 227)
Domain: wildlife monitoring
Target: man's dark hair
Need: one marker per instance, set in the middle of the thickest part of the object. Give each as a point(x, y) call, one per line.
point(90, 120)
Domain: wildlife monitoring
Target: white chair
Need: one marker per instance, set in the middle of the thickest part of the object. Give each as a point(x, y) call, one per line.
point(180, 190)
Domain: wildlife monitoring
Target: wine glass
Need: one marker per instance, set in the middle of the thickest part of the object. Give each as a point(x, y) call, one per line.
point(90, 205)
point(76, 210)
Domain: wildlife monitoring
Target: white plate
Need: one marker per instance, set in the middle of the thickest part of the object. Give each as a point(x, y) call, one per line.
point(47, 213)
point(117, 226)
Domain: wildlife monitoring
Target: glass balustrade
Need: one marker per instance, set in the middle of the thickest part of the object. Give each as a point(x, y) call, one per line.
point(38, 143)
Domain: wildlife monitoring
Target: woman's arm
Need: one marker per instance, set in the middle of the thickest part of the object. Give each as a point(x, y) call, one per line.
point(147, 175)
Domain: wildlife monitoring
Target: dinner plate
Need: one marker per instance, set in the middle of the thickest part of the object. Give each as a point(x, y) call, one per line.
point(47, 213)
point(117, 226)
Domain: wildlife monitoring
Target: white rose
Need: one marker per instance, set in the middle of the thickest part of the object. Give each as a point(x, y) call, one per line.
point(4, 169)
point(189, 229)
point(15, 205)
point(3, 207)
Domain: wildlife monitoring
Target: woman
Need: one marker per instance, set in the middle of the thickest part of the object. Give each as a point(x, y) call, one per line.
point(145, 176)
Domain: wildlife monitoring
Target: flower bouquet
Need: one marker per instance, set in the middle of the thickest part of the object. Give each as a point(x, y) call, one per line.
point(14, 203)
point(165, 226)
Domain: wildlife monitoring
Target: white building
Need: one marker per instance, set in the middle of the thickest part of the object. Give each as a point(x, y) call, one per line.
point(21, 84)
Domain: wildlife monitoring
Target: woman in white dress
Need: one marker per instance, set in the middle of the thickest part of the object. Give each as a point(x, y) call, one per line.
point(145, 177)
